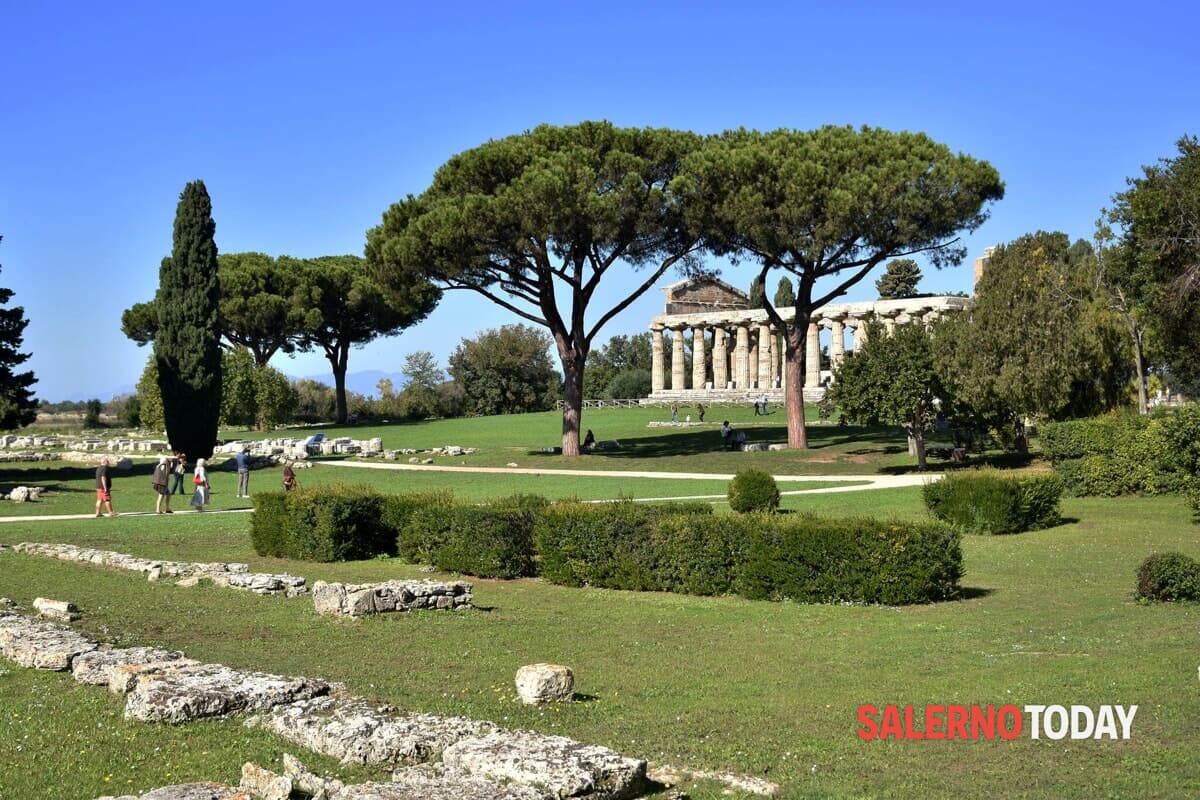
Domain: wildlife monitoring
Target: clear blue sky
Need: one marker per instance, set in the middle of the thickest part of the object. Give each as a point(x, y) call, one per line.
point(307, 120)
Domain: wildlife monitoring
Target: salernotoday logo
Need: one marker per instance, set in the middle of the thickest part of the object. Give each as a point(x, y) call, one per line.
point(939, 722)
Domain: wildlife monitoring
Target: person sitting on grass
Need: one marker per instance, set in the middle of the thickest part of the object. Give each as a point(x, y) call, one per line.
point(589, 441)
point(726, 435)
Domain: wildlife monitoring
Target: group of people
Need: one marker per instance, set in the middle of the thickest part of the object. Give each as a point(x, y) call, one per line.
point(700, 409)
point(760, 406)
point(167, 480)
point(732, 440)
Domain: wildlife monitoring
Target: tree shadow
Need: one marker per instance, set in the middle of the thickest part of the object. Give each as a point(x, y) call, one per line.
point(975, 592)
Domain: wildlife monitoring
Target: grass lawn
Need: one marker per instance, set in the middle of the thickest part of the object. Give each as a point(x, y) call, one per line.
point(716, 683)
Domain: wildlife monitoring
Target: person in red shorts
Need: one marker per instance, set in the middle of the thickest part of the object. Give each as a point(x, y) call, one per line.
point(104, 488)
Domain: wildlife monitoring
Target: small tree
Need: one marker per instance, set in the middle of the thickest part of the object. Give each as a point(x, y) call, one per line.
point(900, 280)
point(506, 370)
point(891, 381)
point(91, 414)
point(18, 407)
point(149, 398)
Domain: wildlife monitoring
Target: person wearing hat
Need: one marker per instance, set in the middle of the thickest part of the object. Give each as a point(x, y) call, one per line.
point(200, 481)
point(243, 468)
point(104, 488)
point(161, 481)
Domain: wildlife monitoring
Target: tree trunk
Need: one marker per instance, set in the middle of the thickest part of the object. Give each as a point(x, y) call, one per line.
point(572, 406)
point(793, 393)
point(916, 438)
point(339, 359)
point(1135, 337)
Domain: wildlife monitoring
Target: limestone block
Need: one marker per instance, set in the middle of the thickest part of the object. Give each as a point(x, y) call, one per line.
point(564, 767)
point(308, 782)
point(355, 731)
point(264, 784)
point(124, 677)
point(437, 782)
point(755, 447)
point(354, 600)
point(40, 645)
point(19, 494)
point(61, 610)
point(181, 694)
point(96, 667)
point(544, 683)
point(188, 791)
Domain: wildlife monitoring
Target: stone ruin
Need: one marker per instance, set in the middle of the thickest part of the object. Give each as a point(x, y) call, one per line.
point(355, 600)
point(477, 759)
point(237, 576)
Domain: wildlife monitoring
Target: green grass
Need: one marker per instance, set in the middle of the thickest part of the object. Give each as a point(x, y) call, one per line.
point(717, 683)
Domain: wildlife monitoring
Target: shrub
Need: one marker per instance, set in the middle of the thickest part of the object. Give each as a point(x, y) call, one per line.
point(700, 553)
point(329, 523)
point(815, 559)
point(753, 490)
point(1168, 576)
point(597, 544)
point(398, 510)
point(987, 501)
point(488, 541)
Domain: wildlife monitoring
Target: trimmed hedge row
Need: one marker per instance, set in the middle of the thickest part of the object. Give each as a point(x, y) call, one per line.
point(680, 547)
point(989, 501)
point(1127, 453)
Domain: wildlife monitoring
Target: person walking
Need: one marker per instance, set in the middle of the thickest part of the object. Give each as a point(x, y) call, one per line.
point(700, 409)
point(160, 481)
point(674, 412)
point(200, 482)
point(104, 488)
point(243, 468)
point(178, 470)
point(289, 477)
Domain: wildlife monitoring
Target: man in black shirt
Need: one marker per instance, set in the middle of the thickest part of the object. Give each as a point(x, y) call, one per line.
point(104, 488)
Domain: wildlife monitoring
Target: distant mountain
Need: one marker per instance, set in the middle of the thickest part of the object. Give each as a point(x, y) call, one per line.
point(363, 382)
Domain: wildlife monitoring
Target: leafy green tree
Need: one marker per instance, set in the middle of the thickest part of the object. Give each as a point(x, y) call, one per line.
point(18, 407)
point(149, 397)
point(892, 380)
point(91, 414)
point(785, 294)
point(505, 370)
point(756, 292)
point(629, 384)
point(827, 207)
point(538, 222)
point(187, 344)
point(618, 355)
point(1159, 255)
point(256, 308)
point(900, 280)
point(421, 369)
point(315, 401)
point(340, 305)
point(275, 397)
point(1035, 343)
point(239, 403)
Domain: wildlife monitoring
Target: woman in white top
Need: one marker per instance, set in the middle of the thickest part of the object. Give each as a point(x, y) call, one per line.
point(200, 481)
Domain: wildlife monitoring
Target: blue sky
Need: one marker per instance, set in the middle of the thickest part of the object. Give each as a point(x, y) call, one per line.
point(307, 120)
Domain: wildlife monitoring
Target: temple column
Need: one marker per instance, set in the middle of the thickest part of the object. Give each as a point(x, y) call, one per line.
point(860, 334)
point(766, 347)
point(720, 360)
point(656, 359)
point(752, 359)
point(678, 377)
point(741, 356)
point(699, 368)
point(812, 344)
point(837, 344)
point(889, 322)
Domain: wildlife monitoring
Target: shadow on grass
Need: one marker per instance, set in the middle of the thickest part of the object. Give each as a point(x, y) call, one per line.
point(975, 592)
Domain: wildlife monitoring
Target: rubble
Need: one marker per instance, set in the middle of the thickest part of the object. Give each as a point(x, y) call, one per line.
point(182, 694)
point(354, 600)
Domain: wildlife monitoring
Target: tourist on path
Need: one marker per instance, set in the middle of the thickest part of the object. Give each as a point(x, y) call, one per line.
point(104, 488)
point(200, 481)
point(160, 481)
point(178, 470)
point(289, 477)
point(764, 401)
point(243, 467)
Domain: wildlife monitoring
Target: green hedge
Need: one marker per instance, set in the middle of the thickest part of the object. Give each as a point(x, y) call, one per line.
point(331, 523)
point(1126, 453)
point(989, 501)
point(762, 556)
point(1168, 576)
point(490, 541)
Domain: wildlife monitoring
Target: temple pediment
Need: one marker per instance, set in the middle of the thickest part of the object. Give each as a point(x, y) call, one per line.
point(697, 295)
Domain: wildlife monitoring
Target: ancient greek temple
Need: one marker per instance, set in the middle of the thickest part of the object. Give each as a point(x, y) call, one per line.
point(736, 354)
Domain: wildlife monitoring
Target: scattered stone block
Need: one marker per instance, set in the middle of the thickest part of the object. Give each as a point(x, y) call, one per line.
point(544, 683)
point(355, 731)
point(264, 784)
point(40, 645)
point(755, 447)
point(182, 694)
point(437, 782)
point(96, 667)
point(356, 600)
point(562, 766)
point(308, 782)
point(60, 610)
point(188, 791)
point(262, 583)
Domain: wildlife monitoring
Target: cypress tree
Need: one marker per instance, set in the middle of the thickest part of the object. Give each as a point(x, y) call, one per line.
point(17, 406)
point(187, 345)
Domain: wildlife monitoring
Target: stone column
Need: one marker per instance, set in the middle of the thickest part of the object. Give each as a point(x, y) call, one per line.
point(678, 376)
point(752, 359)
point(812, 344)
point(656, 359)
point(699, 367)
point(889, 322)
point(766, 349)
point(720, 360)
point(860, 334)
point(741, 356)
point(837, 343)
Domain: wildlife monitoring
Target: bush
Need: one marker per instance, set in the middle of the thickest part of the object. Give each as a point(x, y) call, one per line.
point(987, 501)
point(487, 541)
point(753, 490)
point(816, 559)
point(1168, 576)
point(329, 523)
point(398, 510)
point(700, 554)
point(597, 544)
